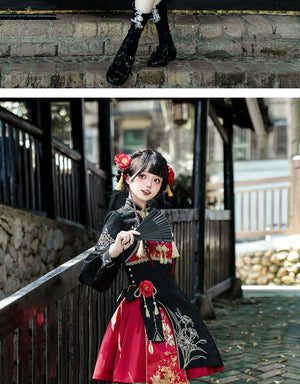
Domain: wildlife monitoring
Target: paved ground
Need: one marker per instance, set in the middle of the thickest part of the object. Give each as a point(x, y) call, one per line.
point(259, 341)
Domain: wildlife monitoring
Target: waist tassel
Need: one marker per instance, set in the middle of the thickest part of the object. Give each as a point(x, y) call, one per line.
point(141, 249)
point(150, 311)
point(175, 252)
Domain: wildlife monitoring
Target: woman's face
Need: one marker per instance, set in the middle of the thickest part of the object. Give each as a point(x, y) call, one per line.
point(144, 187)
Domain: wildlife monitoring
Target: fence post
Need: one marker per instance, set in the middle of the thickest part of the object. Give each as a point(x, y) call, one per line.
point(105, 144)
point(235, 290)
point(43, 121)
point(78, 142)
point(201, 301)
point(296, 194)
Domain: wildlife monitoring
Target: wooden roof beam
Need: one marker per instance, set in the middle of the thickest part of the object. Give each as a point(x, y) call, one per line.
point(255, 115)
point(213, 115)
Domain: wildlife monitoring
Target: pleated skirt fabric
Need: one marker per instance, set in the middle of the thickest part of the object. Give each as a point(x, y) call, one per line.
point(127, 356)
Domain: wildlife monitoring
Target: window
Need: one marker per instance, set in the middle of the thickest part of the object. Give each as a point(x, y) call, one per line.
point(61, 122)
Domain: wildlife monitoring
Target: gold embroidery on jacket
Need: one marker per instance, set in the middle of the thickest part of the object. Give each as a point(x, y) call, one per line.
point(105, 239)
point(143, 212)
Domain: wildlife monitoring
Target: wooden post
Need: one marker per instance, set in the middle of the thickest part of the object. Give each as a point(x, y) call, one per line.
point(78, 143)
point(105, 144)
point(229, 186)
point(199, 183)
point(296, 194)
point(42, 118)
point(235, 290)
point(201, 300)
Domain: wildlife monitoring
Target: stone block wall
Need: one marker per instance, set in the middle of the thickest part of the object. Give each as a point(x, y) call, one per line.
point(223, 36)
point(276, 266)
point(31, 246)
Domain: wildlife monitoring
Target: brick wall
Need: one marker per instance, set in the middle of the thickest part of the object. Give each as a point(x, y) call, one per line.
point(219, 35)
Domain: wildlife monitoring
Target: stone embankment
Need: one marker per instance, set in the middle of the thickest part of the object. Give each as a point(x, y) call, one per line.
point(222, 51)
point(275, 265)
point(31, 246)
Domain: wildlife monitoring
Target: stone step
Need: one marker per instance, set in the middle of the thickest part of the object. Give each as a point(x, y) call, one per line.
point(187, 72)
point(222, 36)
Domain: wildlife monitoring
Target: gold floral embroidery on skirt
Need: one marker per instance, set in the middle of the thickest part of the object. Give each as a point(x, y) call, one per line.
point(165, 375)
point(163, 363)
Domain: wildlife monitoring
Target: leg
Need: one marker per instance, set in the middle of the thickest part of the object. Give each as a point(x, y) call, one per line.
point(122, 65)
point(166, 50)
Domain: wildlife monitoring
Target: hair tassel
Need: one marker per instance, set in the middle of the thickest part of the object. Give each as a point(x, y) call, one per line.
point(120, 183)
point(170, 194)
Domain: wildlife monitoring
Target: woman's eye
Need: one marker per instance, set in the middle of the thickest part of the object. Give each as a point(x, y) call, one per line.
point(142, 176)
point(157, 181)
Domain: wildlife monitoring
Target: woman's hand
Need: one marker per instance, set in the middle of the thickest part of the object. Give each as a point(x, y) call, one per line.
point(123, 241)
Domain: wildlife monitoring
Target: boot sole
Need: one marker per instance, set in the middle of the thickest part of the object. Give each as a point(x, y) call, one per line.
point(161, 65)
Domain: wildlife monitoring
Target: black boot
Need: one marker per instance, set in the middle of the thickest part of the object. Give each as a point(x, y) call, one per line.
point(166, 50)
point(122, 65)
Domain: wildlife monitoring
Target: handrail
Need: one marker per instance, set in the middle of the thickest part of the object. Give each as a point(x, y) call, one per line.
point(96, 171)
point(63, 148)
point(20, 123)
point(44, 291)
point(244, 183)
point(178, 215)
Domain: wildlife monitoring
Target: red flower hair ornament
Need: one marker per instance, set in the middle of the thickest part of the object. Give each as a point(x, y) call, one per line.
point(123, 162)
point(170, 180)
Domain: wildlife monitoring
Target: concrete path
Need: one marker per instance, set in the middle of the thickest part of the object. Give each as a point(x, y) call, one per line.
point(259, 341)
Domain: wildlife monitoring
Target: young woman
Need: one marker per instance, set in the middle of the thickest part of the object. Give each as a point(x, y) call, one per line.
point(122, 65)
point(156, 335)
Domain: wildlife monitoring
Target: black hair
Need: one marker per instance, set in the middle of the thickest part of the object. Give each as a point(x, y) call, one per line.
point(146, 159)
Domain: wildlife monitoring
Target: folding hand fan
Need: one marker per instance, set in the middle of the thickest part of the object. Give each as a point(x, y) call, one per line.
point(155, 227)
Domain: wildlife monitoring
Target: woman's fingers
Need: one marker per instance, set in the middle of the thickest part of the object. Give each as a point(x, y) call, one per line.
point(127, 237)
point(135, 233)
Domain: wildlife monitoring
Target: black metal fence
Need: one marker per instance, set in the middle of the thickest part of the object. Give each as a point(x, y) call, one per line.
point(22, 174)
point(50, 330)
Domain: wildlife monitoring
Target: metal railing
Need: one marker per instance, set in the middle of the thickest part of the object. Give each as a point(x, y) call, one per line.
point(50, 330)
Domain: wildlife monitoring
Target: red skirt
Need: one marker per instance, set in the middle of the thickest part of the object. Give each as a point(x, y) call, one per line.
point(127, 356)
